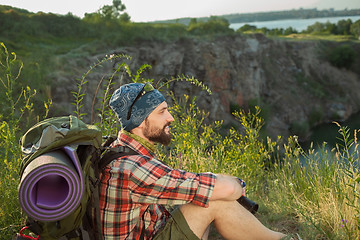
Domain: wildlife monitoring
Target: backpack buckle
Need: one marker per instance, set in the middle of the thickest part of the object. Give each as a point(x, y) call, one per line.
point(22, 236)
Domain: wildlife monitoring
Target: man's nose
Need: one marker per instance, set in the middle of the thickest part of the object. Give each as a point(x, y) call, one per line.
point(170, 118)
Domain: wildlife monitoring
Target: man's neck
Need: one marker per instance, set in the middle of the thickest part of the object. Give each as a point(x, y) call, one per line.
point(146, 143)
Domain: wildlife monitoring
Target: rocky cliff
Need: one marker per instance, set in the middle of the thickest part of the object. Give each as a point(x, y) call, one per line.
point(288, 79)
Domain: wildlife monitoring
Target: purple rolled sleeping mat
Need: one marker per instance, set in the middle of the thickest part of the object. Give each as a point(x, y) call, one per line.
point(52, 185)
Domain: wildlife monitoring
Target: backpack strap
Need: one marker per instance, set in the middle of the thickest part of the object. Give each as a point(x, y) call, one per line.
point(109, 154)
point(108, 140)
point(33, 226)
point(114, 153)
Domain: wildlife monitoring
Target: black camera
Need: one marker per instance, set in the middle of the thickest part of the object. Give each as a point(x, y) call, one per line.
point(248, 204)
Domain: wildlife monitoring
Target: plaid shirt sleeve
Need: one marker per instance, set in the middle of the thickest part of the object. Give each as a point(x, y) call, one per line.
point(154, 182)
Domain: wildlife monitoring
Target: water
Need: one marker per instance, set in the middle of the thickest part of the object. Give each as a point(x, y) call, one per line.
point(298, 24)
point(329, 133)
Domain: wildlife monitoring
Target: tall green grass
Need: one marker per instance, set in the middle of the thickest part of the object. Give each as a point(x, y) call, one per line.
point(314, 193)
point(323, 190)
point(16, 113)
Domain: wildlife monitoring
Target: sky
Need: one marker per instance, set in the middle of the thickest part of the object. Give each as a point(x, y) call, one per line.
point(152, 10)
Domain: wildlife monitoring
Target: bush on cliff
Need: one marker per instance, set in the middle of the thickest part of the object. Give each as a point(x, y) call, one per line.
point(342, 56)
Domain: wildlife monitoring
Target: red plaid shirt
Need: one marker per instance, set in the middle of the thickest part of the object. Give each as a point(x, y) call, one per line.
point(135, 189)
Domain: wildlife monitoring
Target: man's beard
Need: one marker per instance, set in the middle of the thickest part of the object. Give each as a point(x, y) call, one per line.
point(156, 134)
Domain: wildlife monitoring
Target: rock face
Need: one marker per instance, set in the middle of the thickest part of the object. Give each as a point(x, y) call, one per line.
point(288, 79)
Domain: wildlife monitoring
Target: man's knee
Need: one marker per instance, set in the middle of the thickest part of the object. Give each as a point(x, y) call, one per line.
point(198, 218)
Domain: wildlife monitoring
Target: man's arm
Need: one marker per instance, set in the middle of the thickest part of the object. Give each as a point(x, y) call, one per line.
point(155, 182)
point(226, 188)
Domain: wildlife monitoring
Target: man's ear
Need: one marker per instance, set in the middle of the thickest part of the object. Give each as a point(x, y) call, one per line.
point(142, 125)
point(139, 129)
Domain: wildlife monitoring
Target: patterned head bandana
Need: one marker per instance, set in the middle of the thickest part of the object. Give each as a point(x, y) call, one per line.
point(133, 102)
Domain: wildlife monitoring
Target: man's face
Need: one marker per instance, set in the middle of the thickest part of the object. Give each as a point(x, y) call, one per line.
point(157, 125)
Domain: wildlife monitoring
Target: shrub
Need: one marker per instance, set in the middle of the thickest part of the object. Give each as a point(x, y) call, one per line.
point(247, 28)
point(214, 25)
point(342, 56)
point(355, 29)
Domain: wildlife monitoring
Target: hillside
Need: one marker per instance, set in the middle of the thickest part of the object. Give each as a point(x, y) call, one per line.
point(294, 86)
point(293, 81)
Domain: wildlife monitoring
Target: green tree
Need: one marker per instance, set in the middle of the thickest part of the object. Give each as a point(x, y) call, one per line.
point(264, 30)
point(290, 30)
point(192, 24)
point(343, 27)
point(276, 32)
point(125, 17)
point(316, 28)
point(330, 27)
point(355, 29)
point(114, 11)
point(247, 27)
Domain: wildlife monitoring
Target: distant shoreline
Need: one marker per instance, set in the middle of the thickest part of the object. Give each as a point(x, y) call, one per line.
point(298, 24)
point(272, 16)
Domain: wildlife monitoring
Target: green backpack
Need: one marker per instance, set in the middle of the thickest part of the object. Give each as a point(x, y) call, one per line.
point(59, 172)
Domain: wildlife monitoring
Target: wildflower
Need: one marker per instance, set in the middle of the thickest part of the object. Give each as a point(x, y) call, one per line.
point(344, 221)
point(109, 56)
point(180, 160)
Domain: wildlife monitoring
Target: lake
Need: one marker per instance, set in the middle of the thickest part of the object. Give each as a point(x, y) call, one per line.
point(329, 132)
point(298, 24)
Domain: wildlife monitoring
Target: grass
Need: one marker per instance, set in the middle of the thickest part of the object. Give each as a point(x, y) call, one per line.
point(315, 193)
point(329, 37)
point(16, 108)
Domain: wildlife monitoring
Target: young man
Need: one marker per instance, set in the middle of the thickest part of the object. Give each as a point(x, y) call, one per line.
point(136, 188)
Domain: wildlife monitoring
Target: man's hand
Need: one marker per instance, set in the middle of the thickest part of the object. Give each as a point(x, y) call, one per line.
point(226, 188)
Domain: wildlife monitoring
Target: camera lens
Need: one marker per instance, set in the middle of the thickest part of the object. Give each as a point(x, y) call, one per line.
point(248, 204)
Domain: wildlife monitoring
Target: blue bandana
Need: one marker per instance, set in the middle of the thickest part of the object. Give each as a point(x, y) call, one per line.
point(123, 99)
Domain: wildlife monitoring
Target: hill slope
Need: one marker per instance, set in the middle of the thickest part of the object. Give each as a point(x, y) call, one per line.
point(295, 87)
